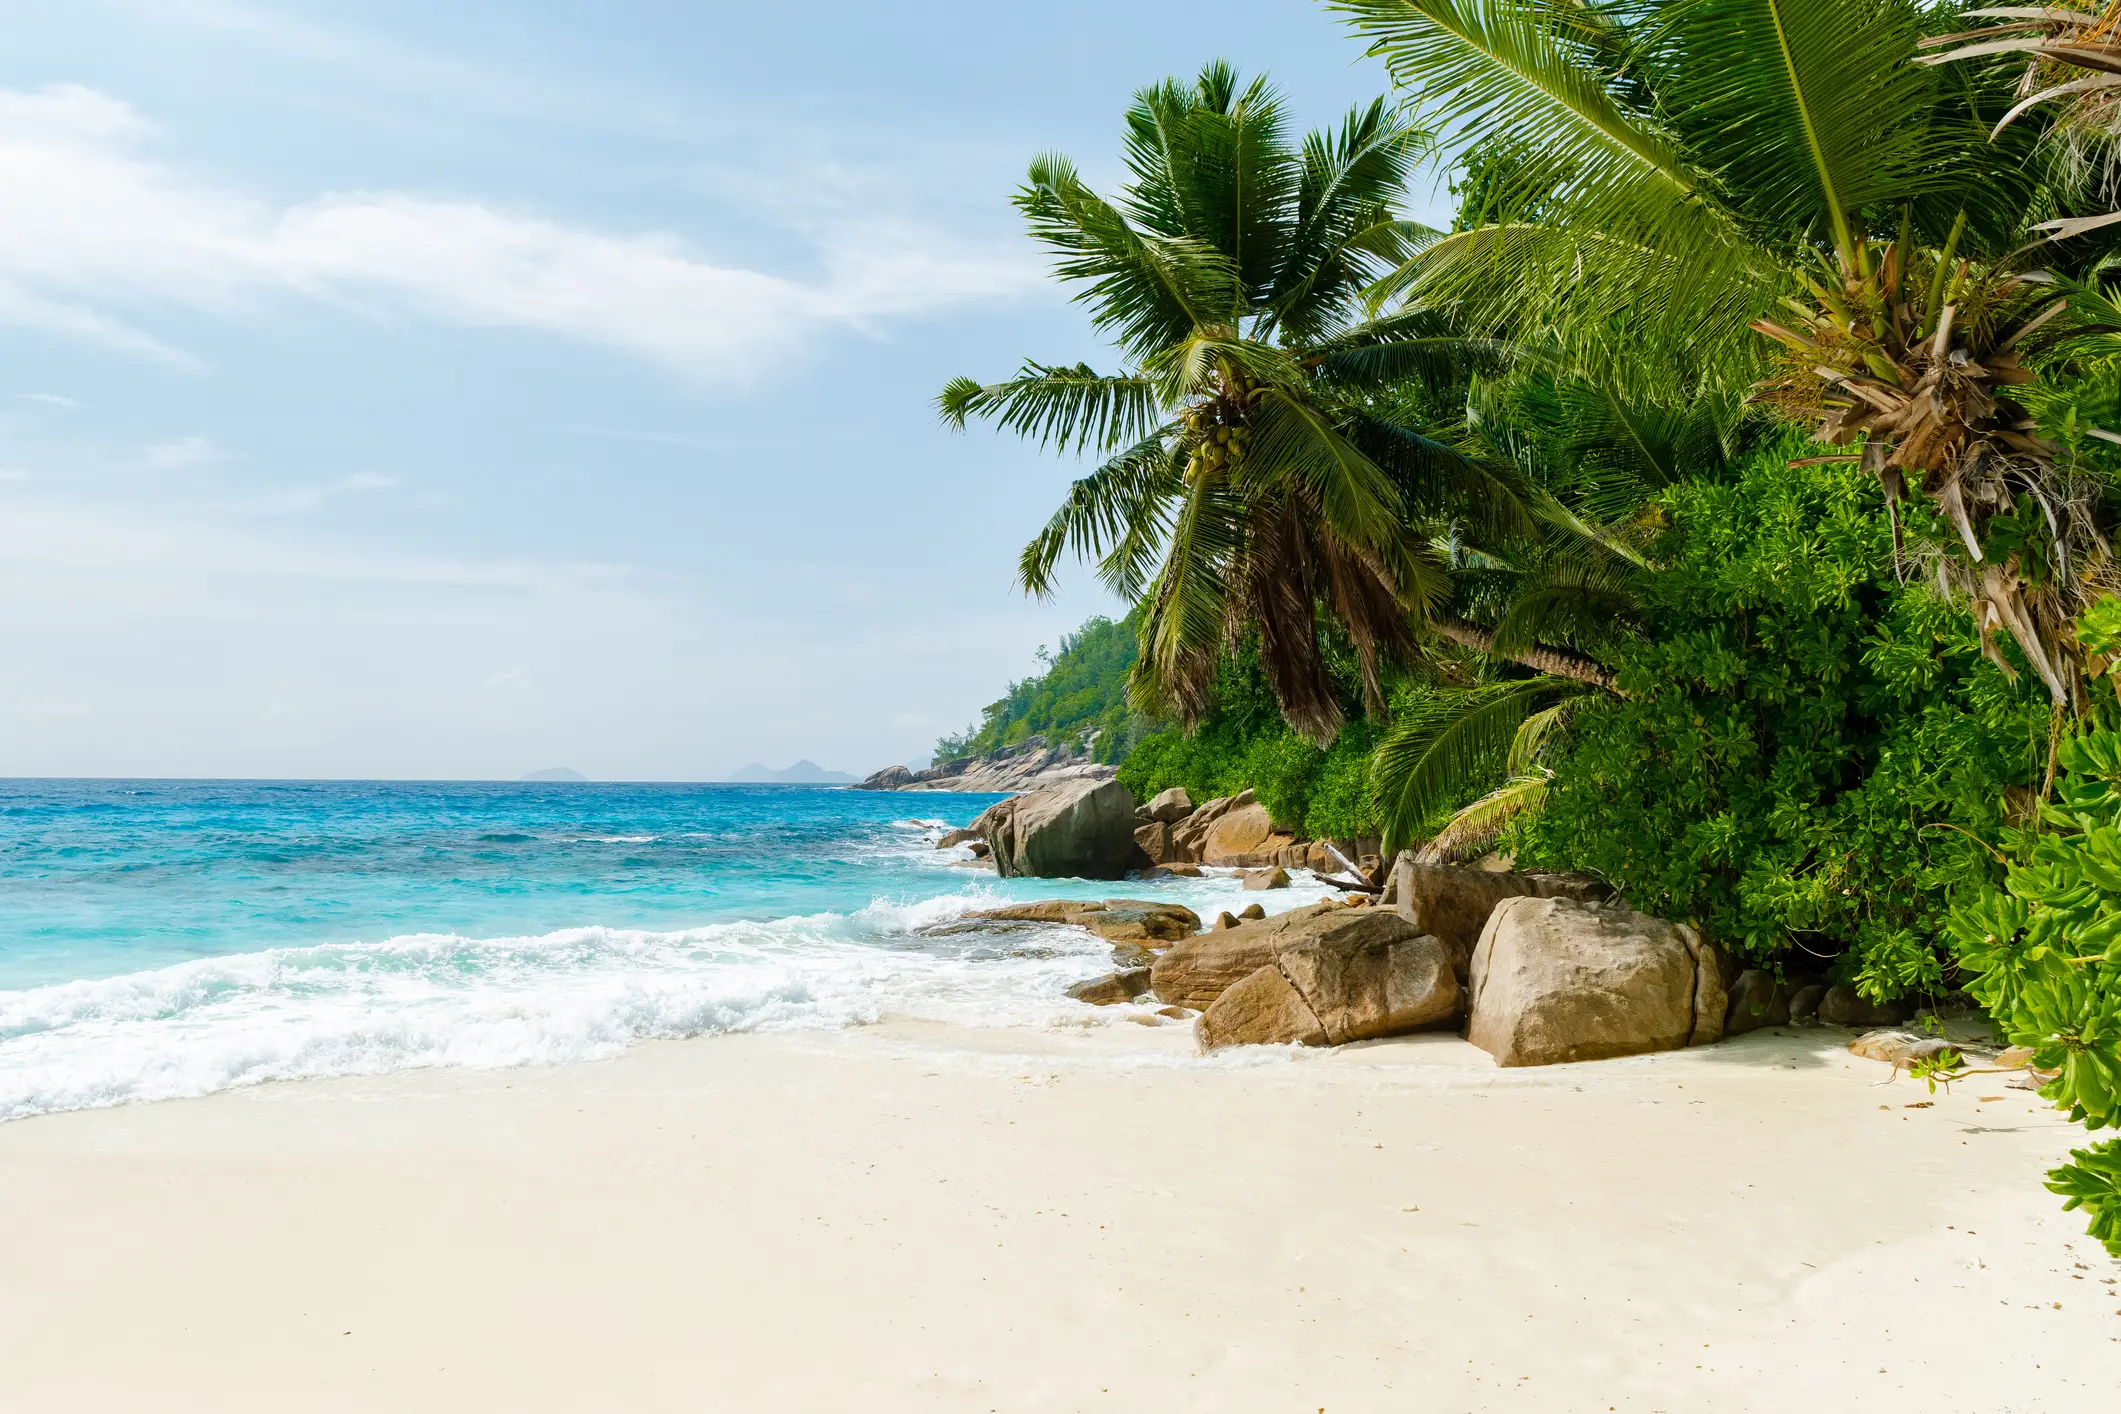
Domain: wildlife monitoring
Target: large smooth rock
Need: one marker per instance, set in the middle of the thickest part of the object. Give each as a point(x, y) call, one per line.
point(1114, 989)
point(1118, 920)
point(1133, 921)
point(1155, 841)
point(1076, 830)
point(1555, 980)
point(1454, 904)
point(890, 778)
point(1365, 975)
point(1257, 879)
point(1240, 834)
point(956, 838)
point(1842, 1006)
point(1171, 871)
point(1757, 1000)
point(1197, 970)
point(1189, 837)
point(1170, 806)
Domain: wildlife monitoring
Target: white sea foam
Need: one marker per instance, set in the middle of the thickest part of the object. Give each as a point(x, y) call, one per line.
point(578, 993)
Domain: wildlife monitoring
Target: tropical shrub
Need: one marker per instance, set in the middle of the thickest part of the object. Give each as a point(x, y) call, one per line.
point(1806, 756)
point(2044, 955)
point(1242, 743)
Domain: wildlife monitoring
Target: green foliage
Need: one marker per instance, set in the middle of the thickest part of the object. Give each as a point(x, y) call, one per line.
point(1243, 744)
point(1808, 756)
point(2044, 952)
point(1082, 691)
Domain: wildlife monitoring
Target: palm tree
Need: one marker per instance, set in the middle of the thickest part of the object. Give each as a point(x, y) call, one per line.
point(1682, 177)
point(1558, 603)
point(1260, 470)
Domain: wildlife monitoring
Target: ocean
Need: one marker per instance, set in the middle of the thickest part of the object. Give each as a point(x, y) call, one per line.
point(161, 939)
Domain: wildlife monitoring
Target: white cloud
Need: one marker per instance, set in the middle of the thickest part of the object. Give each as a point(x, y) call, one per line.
point(99, 237)
point(181, 454)
point(57, 400)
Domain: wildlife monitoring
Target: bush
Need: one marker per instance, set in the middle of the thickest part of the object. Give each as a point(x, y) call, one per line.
point(1808, 755)
point(1244, 744)
point(2044, 955)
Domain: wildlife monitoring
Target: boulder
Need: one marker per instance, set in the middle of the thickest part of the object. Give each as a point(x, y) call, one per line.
point(1555, 980)
point(1134, 921)
point(1362, 976)
point(1454, 904)
point(1240, 834)
point(1118, 920)
point(1197, 970)
point(1171, 871)
point(1045, 910)
point(981, 849)
point(1224, 922)
point(1275, 878)
point(1757, 1000)
point(1080, 829)
point(1251, 913)
point(1841, 1006)
point(1170, 806)
point(890, 778)
point(1189, 837)
point(1114, 989)
point(1804, 1002)
point(1155, 841)
point(956, 838)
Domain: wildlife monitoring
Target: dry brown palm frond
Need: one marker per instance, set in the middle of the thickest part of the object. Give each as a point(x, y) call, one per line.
point(1913, 357)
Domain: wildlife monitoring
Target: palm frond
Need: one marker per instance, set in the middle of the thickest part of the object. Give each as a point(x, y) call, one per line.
point(1448, 746)
point(1121, 510)
point(1533, 69)
point(1296, 449)
point(1469, 832)
point(1808, 106)
point(1071, 408)
point(1143, 288)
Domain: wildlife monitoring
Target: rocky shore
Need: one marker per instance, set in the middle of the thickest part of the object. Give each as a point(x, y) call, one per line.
point(1534, 969)
point(1029, 765)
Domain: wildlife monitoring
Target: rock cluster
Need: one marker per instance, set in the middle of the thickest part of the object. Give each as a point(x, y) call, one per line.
point(1362, 975)
point(1234, 831)
point(1454, 904)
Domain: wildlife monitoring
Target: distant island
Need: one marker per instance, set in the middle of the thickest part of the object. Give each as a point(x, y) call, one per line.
point(802, 773)
point(554, 773)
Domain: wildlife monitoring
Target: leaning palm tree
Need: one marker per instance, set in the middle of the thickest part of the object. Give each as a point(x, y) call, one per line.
point(1259, 472)
point(1685, 177)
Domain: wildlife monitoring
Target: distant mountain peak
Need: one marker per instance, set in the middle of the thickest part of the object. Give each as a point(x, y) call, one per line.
point(554, 773)
point(802, 773)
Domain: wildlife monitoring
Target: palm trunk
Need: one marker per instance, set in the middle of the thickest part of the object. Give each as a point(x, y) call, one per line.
point(1559, 662)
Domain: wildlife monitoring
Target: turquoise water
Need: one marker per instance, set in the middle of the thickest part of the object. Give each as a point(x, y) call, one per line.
point(169, 938)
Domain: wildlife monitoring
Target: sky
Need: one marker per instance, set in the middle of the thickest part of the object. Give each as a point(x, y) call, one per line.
point(401, 390)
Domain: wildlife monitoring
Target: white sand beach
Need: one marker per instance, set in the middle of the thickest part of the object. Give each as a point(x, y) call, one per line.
point(912, 1217)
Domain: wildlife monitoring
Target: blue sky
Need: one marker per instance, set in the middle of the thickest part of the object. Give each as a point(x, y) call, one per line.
point(401, 389)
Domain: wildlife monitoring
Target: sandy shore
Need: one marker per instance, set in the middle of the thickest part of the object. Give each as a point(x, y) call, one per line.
point(912, 1218)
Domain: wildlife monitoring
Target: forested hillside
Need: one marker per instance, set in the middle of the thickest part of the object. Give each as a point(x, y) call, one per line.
point(1082, 693)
